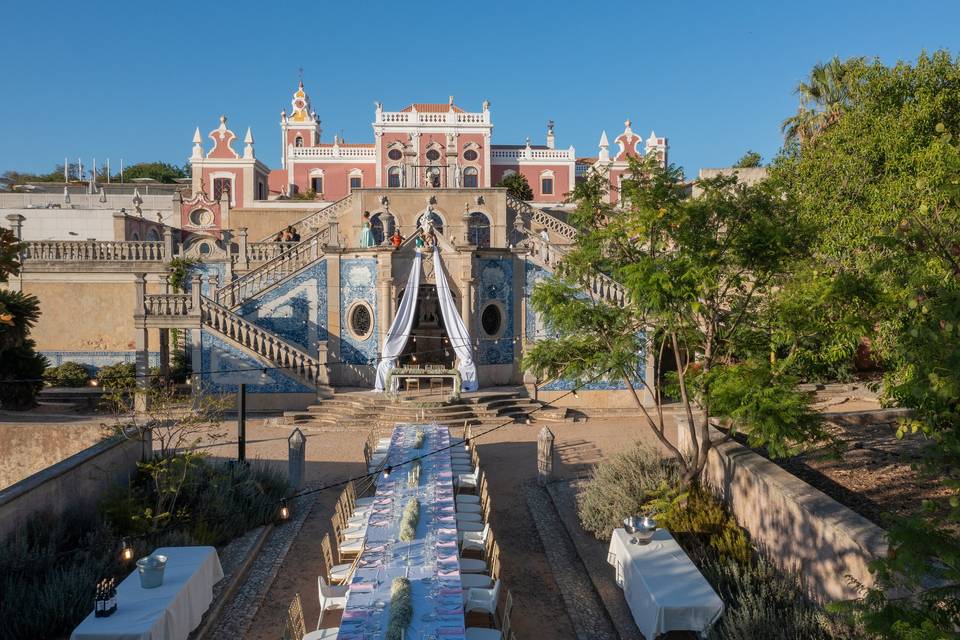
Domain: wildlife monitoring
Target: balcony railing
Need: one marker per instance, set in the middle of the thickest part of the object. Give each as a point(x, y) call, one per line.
point(94, 250)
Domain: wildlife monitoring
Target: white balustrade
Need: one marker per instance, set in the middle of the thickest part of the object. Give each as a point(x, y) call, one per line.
point(168, 304)
point(93, 250)
point(353, 153)
point(280, 353)
point(273, 270)
point(534, 215)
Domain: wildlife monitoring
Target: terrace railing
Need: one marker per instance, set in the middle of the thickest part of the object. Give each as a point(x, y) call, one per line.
point(94, 250)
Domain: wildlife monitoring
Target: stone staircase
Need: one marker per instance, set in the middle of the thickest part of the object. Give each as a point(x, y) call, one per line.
point(363, 409)
point(289, 262)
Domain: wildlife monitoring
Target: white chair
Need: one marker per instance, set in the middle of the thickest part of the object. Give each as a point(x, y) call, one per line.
point(483, 600)
point(476, 581)
point(469, 507)
point(323, 634)
point(472, 565)
point(332, 597)
point(480, 633)
point(467, 498)
point(468, 480)
point(469, 517)
point(474, 540)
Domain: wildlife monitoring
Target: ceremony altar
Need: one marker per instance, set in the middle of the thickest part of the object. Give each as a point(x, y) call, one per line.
point(428, 560)
point(398, 374)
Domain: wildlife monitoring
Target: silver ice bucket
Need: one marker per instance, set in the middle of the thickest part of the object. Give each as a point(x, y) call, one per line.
point(151, 571)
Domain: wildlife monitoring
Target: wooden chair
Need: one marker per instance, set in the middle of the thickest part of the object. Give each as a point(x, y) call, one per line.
point(295, 628)
point(346, 547)
point(336, 573)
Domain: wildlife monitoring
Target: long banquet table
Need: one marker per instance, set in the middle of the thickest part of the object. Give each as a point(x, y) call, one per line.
point(429, 561)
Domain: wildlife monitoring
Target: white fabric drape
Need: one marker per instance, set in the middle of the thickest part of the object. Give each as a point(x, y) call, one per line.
point(399, 332)
point(456, 331)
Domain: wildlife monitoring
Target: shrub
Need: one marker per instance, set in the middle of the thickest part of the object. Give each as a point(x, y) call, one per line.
point(21, 371)
point(118, 377)
point(699, 518)
point(68, 374)
point(764, 604)
point(624, 486)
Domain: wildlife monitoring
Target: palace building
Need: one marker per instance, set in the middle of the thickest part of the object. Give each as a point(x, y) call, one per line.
point(401, 250)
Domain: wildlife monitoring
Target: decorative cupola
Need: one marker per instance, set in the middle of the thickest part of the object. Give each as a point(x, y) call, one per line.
point(604, 148)
point(301, 128)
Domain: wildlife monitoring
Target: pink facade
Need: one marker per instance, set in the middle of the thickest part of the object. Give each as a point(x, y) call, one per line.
point(424, 145)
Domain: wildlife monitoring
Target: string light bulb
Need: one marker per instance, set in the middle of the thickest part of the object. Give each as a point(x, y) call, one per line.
point(414, 357)
point(386, 471)
point(126, 550)
point(575, 394)
point(284, 510)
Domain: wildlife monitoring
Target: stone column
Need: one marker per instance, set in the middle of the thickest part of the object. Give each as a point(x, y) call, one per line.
point(168, 247)
point(16, 225)
point(226, 239)
point(243, 259)
point(195, 284)
point(164, 353)
point(141, 401)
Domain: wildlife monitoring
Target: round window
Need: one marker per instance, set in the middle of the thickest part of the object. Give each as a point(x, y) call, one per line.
point(201, 218)
point(470, 154)
point(491, 319)
point(394, 154)
point(433, 155)
point(361, 321)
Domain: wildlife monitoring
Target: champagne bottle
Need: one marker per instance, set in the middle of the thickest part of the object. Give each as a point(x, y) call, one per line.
point(98, 606)
point(111, 609)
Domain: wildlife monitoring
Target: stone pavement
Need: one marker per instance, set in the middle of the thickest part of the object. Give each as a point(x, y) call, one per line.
point(586, 610)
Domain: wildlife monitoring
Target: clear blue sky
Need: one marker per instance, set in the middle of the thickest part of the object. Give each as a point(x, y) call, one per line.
point(133, 79)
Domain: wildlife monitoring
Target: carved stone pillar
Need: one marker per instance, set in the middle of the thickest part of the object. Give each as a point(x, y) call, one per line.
point(243, 258)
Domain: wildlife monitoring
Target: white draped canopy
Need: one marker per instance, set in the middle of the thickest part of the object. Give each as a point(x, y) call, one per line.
point(400, 328)
point(456, 331)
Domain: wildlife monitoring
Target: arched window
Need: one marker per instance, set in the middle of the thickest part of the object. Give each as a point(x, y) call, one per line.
point(298, 141)
point(478, 229)
point(470, 177)
point(152, 235)
point(376, 227)
point(393, 177)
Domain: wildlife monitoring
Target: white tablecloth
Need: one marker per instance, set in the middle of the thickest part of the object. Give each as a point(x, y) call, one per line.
point(169, 612)
point(664, 589)
point(429, 561)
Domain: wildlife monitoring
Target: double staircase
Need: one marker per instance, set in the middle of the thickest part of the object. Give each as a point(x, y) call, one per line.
point(218, 313)
point(363, 409)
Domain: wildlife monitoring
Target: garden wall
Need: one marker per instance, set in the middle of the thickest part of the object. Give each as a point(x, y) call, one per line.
point(800, 528)
point(76, 481)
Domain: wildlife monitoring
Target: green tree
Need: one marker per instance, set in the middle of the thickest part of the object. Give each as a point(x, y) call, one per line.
point(749, 160)
point(823, 98)
point(695, 272)
point(159, 171)
point(882, 186)
point(517, 186)
point(21, 367)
